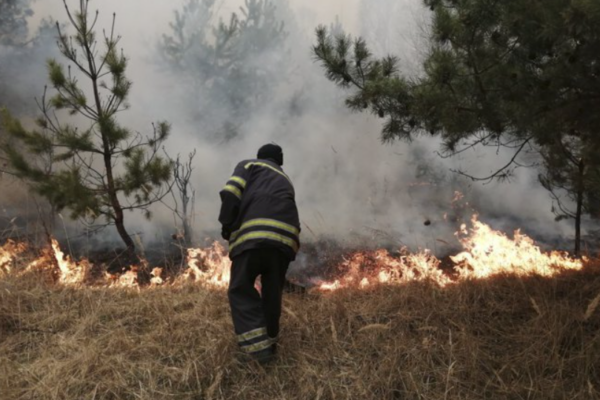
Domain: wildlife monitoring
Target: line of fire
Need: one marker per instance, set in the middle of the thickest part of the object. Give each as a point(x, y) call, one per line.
point(484, 253)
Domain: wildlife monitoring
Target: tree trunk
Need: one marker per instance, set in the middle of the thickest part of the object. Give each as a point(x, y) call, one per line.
point(187, 233)
point(579, 212)
point(114, 200)
point(108, 154)
point(183, 180)
point(119, 224)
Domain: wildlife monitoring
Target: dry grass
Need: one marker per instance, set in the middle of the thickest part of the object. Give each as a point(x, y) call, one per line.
point(505, 338)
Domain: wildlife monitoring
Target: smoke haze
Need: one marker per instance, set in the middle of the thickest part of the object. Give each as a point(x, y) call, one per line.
point(348, 184)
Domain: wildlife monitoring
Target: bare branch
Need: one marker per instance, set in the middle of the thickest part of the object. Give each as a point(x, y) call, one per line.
point(502, 172)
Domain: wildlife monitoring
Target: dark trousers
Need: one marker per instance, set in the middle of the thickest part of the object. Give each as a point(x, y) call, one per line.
point(252, 311)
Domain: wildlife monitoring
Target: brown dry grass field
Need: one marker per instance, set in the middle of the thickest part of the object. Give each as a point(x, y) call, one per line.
point(502, 338)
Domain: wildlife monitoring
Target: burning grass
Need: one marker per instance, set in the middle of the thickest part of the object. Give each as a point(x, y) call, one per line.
point(506, 337)
point(507, 321)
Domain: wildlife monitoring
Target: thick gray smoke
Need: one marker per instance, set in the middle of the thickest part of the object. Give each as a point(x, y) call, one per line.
point(349, 186)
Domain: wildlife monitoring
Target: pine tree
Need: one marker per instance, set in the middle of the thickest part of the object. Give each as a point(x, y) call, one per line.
point(102, 169)
point(14, 16)
point(233, 66)
point(572, 177)
point(516, 73)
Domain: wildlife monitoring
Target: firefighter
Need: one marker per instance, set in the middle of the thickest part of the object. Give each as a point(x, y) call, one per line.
point(260, 220)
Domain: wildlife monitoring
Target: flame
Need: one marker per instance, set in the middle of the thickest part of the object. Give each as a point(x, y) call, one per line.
point(210, 266)
point(8, 254)
point(156, 277)
point(70, 272)
point(486, 253)
point(66, 271)
point(489, 252)
point(128, 279)
point(364, 269)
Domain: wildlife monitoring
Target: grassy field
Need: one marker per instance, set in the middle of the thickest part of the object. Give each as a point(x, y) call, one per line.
point(502, 338)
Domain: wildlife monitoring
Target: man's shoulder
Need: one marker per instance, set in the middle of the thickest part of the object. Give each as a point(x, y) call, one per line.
point(244, 163)
point(260, 162)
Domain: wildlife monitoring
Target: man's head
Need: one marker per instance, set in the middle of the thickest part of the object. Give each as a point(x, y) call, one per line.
point(271, 152)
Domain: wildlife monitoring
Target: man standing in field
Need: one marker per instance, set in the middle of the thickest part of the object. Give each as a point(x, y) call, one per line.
point(260, 220)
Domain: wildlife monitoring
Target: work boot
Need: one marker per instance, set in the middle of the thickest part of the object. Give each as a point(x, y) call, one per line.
point(274, 344)
point(265, 356)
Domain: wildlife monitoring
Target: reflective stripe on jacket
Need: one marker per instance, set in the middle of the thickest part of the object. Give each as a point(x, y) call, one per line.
point(259, 209)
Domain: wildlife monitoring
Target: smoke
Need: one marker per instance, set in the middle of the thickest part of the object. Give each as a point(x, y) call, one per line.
point(24, 48)
point(348, 185)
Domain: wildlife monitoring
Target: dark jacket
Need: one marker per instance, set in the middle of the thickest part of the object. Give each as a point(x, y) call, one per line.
point(259, 210)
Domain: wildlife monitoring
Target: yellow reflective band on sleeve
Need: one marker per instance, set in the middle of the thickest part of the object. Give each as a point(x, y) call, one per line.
point(234, 190)
point(241, 181)
point(253, 348)
point(261, 164)
point(266, 222)
point(265, 235)
point(253, 334)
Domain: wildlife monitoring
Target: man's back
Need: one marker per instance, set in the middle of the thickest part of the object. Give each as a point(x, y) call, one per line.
point(259, 208)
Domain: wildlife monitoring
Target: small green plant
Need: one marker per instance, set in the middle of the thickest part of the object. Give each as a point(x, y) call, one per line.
point(99, 169)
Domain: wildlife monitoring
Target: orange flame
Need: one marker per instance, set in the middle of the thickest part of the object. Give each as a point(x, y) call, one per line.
point(364, 269)
point(128, 279)
point(486, 253)
point(8, 254)
point(210, 266)
point(71, 273)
